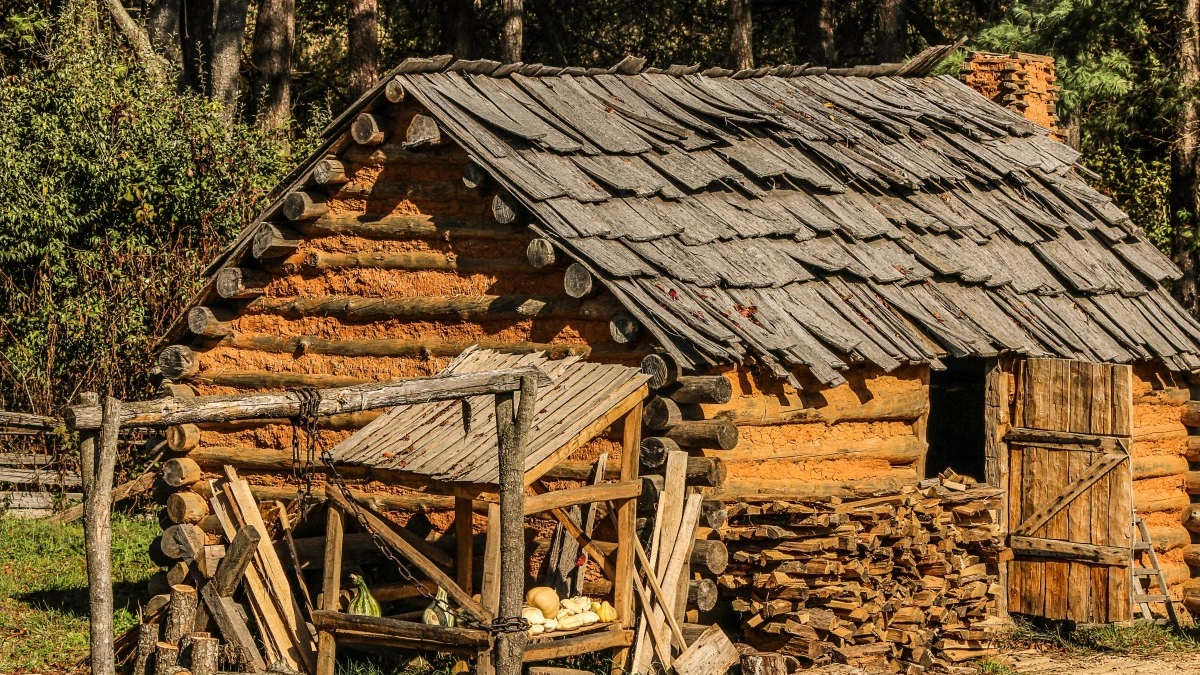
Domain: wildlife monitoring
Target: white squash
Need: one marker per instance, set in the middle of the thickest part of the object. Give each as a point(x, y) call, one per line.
point(565, 612)
point(589, 618)
point(537, 629)
point(533, 615)
point(571, 622)
point(551, 624)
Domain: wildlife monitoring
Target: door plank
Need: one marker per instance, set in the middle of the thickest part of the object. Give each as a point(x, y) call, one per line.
point(1016, 568)
point(1094, 473)
point(1120, 527)
point(1035, 493)
point(1100, 574)
point(1079, 526)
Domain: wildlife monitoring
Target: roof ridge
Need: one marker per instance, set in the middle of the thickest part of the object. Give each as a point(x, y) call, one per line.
point(920, 65)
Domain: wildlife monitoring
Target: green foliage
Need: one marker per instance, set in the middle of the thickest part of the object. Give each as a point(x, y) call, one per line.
point(116, 189)
point(1137, 180)
point(43, 589)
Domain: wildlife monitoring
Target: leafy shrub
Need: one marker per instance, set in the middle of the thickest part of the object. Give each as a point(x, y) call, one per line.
point(114, 190)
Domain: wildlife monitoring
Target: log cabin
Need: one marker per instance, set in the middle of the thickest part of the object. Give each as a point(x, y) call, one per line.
point(840, 281)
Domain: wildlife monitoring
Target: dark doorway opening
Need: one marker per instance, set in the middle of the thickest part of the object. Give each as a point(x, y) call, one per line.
point(957, 406)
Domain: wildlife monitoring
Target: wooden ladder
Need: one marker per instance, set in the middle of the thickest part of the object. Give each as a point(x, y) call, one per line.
point(1144, 576)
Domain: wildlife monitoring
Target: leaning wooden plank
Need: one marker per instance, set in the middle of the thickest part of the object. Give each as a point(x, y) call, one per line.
point(123, 491)
point(1095, 472)
point(233, 628)
point(422, 563)
point(574, 530)
point(275, 639)
point(169, 411)
point(712, 653)
point(589, 517)
point(433, 635)
point(668, 529)
point(289, 608)
point(331, 588)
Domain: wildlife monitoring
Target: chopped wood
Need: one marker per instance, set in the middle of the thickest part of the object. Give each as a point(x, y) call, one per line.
point(182, 613)
point(237, 558)
point(541, 254)
point(367, 129)
point(330, 171)
point(663, 370)
point(205, 652)
point(204, 323)
point(701, 389)
point(712, 652)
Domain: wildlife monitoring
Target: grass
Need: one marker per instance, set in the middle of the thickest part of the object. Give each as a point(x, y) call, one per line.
point(43, 590)
point(1140, 639)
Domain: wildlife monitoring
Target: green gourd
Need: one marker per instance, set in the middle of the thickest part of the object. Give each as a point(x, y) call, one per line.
point(363, 604)
point(438, 612)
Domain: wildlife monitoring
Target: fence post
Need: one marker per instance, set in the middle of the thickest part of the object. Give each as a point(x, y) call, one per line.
point(98, 467)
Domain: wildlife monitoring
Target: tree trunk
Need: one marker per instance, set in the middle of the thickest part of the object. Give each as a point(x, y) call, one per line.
point(814, 33)
point(274, 34)
point(741, 37)
point(1184, 186)
point(227, 54)
point(458, 23)
point(892, 31)
point(512, 34)
point(196, 40)
point(163, 25)
point(136, 35)
point(363, 33)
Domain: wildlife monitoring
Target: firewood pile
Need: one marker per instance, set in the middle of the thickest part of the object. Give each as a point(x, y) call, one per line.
point(899, 582)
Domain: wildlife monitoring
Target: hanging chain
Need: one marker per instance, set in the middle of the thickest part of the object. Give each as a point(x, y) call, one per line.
point(302, 470)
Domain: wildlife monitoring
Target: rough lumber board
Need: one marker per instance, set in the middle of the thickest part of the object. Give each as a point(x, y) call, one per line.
point(587, 494)
point(168, 411)
point(557, 648)
point(1071, 491)
point(711, 653)
point(435, 636)
point(1067, 550)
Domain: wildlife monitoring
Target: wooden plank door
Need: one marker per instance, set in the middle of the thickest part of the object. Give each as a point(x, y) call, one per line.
point(1070, 505)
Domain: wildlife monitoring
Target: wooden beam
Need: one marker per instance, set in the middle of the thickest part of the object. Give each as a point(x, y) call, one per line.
point(1067, 550)
point(331, 589)
point(412, 261)
point(426, 566)
point(458, 307)
point(464, 538)
point(435, 636)
point(168, 411)
point(558, 648)
point(310, 344)
point(513, 421)
point(561, 499)
point(237, 558)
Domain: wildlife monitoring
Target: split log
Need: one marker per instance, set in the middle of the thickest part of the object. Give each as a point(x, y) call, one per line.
point(181, 471)
point(205, 653)
point(579, 282)
point(461, 307)
point(276, 241)
point(701, 389)
point(712, 652)
point(476, 177)
point(1158, 466)
point(368, 129)
point(235, 283)
point(420, 260)
point(409, 226)
point(715, 435)
point(183, 438)
point(237, 557)
point(297, 206)
point(1190, 517)
point(166, 657)
point(182, 613)
point(709, 556)
point(506, 209)
point(655, 448)
point(713, 514)
point(541, 254)
point(394, 90)
point(624, 329)
point(663, 370)
point(330, 171)
point(147, 639)
point(423, 133)
point(182, 542)
point(186, 507)
point(702, 594)
point(764, 663)
point(168, 411)
point(203, 322)
point(661, 414)
point(178, 362)
point(423, 347)
point(177, 574)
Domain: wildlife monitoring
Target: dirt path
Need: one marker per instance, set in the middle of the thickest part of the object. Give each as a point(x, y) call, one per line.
point(1037, 663)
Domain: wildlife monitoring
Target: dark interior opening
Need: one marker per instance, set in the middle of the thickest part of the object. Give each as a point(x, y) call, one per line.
point(957, 406)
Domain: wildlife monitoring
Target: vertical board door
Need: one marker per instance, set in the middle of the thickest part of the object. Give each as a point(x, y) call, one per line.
point(1071, 491)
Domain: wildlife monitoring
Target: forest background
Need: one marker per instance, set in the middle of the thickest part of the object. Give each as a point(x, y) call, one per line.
point(136, 139)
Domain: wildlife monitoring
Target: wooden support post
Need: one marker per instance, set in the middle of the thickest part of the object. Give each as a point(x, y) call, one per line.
point(489, 588)
point(631, 443)
point(509, 649)
point(97, 532)
point(995, 469)
point(331, 588)
point(463, 535)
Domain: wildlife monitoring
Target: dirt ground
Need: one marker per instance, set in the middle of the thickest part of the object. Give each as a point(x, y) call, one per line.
point(1038, 663)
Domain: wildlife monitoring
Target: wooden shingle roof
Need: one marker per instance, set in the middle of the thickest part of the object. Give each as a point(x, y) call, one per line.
point(447, 442)
point(818, 220)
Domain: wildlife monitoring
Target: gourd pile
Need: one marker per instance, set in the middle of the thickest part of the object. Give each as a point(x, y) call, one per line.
point(546, 613)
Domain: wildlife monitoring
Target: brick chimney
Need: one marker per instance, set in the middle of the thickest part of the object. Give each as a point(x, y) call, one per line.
point(1023, 83)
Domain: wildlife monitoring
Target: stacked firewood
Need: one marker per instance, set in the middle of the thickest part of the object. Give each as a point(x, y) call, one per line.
point(900, 581)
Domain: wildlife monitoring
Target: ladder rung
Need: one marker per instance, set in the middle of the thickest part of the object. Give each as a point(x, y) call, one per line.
point(1141, 546)
point(1150, 598)
point(1145, 572)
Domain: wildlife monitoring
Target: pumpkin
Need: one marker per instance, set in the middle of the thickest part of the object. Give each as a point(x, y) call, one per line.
point(364, 603)
point(545, 599)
